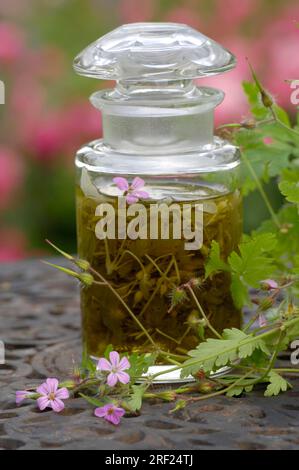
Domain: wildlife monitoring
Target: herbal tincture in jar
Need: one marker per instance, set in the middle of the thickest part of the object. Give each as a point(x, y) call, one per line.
point(155, 192)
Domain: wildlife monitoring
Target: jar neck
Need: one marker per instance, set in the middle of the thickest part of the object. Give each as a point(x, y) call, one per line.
point(157, 117)
point(156, 89)
point(157, 134)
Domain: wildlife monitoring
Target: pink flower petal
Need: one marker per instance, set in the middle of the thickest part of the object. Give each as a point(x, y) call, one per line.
point(119, 411)
point(110, 413)
point(43, 402)
point(21, 395)
point(140, 194)
point(62, 393)
point(262, 321)
point(43, 389)
point(52, 385)
point(102, 411)
point(269, 284)
point(114, 358)
point(124, 364)
point(268, 140)
point(103, 364)
point(131, 199)
point(121, 183)
point(57, 405)
point(112, 379)
point(123, 377)
point(137, 183)
point(114, 419)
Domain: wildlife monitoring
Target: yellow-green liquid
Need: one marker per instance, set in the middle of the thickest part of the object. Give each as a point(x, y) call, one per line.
point(145, 272)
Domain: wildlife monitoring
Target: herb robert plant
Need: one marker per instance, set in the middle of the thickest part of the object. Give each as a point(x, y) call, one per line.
point(270, 151)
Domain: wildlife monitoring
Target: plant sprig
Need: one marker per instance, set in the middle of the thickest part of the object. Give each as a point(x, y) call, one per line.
point(250, 353)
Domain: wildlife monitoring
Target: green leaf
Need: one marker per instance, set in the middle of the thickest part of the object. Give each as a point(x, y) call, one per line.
point(266, 160)
point(135, 401)
point(277, 384)
point(239, 291)
point(257, 359)
point(247, 349)
point(201, 332)
point(256, 106)
point(282, 115)
point(287, 238)
point(289, 185)
point(215, 263)
point(268, 157)
point(238, 390)
point(292, 333)
point(215, 353)
point(248, 267)
point(140, 364)
point(94, 401)
point(252, 264)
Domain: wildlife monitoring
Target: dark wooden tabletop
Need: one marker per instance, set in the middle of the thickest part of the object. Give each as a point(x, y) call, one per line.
point(40, 326)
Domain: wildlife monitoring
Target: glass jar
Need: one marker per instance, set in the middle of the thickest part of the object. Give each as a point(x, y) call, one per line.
point(154, 193)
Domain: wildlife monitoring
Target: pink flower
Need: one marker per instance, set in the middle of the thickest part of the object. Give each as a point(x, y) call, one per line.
point(47, 140)
point(269, 284)
point(21, 395)
point(262, 320)
point(52, 396)
point(132, 191)
point(11, 43)
point(116, 368)
point(110, 413)
point(268, 140)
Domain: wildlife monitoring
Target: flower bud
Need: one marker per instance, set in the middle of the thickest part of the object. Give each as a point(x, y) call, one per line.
point(248, 124)
point(262, 321)
point(269, 284)
point(266, 99)
point(82, 264)
point(70, 384)
point(200, 375)
point(168, 395)
point(138, 297)
point(76, 374)
point(193, 318)
point(195, 283)
point(206, 387)
point(266, 303)
point(180, 404)
point(86, 279)
point(178, 296)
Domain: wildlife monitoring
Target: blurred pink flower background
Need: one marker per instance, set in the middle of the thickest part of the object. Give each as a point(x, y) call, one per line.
point(47, 115)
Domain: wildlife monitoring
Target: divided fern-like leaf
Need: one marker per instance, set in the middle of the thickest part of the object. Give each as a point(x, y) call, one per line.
point(216, 353)
point(277, 384)
point(135, 401)
point(248, 267)
point(215, 263)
